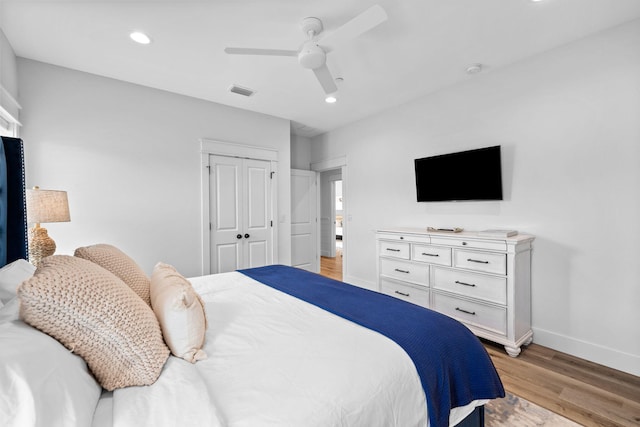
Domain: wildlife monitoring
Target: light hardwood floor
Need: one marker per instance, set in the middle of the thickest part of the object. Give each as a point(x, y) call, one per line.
point(332, 267)
point(585, 392)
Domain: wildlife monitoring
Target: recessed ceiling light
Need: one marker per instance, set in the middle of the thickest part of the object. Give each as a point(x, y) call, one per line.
point(331, 99)
point(140, 37)
point(474, 68)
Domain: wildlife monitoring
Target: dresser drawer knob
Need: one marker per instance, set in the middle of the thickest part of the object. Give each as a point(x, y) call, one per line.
point(465, 284)
point(473, 313)
point(426, 254)
point(477, 260)
point(402, 293)
point(402, 271)
point(393, 250)
point(464, 243)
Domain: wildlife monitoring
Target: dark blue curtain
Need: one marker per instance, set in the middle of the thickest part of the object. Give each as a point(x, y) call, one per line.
point(13, 213)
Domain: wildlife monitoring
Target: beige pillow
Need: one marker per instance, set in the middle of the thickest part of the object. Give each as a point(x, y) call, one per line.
point(120, 264)
point(180, 312)
point(97, 316)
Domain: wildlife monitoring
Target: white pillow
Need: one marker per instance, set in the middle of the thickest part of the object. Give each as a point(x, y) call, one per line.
point(10, 311)
point(180, 312)
point(11, 275)
point(41, 382)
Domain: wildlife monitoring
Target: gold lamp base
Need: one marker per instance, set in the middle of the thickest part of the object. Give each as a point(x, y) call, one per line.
point(40, 244)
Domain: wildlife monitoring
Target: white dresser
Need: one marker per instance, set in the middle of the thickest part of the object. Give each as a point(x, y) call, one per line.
point(484, 282)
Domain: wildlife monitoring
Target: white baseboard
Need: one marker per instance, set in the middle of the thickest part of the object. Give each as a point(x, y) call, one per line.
point(606, 356)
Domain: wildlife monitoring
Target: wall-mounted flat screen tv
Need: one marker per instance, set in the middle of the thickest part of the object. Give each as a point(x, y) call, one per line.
point(465, 175)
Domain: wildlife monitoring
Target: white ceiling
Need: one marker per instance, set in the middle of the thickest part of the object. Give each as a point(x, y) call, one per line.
point(424, 45)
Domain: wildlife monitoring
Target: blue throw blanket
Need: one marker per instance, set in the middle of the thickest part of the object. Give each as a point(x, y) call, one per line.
point(454, 367)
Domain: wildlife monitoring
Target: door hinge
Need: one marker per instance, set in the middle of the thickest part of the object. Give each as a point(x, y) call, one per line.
point(208, 167)
point(209, 226)
point(271, 175)
point(272, 223)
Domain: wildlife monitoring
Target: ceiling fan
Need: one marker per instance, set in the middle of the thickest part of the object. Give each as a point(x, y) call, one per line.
point(312, 54)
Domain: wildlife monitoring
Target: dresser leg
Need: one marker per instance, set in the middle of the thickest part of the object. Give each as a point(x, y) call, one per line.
point(528, 341)
point(512, 351)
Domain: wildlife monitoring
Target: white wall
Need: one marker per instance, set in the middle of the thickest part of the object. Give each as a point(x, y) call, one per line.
point(8, 78)
point(569, 125)
point(300, 152)
point(8, 67)
point(129, 157)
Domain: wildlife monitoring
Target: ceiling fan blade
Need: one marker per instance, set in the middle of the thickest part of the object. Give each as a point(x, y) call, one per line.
point(268, 52)
point(362, 23)
point(326, 79)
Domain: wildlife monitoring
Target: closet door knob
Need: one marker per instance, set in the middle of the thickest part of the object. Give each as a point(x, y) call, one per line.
point(239, 236)
point(246, 236)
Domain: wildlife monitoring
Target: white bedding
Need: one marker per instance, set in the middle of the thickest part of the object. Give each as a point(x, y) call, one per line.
point(296, 366)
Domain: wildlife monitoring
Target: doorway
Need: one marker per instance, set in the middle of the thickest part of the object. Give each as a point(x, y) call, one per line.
point(332, 226)
point(338, 217)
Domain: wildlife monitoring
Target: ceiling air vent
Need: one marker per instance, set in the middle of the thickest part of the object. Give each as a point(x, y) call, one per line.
point(244, 91)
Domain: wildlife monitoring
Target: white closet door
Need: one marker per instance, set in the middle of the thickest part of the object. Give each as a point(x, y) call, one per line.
point(257, 226)
point(240, 210)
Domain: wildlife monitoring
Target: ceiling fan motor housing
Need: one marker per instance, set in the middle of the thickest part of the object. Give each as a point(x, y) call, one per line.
point(312, 56)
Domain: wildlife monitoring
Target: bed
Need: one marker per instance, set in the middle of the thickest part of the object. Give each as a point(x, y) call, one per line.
point(284, 347)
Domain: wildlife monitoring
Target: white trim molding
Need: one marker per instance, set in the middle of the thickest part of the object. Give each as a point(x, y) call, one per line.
point(223, 148)
point(616, 359)
point(325, 165)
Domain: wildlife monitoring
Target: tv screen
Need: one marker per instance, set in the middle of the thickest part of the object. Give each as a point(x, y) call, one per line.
point(466, 175)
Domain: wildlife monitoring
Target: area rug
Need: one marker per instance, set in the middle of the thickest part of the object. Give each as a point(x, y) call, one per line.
point(514, 411)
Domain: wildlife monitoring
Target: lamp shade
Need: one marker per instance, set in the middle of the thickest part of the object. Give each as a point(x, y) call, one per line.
point(47, 206)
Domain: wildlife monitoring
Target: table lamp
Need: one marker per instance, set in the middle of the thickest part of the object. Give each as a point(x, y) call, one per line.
point(44, 206)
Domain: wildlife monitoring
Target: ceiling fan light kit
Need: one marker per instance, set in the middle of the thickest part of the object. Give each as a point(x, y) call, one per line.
point(312, 54)
point(474, 68)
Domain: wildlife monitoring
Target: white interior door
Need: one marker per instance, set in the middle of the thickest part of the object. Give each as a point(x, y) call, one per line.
point(240, 213)
point(305, 252)
point(257, 202)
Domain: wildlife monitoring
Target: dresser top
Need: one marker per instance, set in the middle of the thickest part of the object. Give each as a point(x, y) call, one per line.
point(520, 237)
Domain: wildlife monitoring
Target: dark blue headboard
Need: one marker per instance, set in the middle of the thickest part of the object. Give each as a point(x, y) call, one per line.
point(13, 213)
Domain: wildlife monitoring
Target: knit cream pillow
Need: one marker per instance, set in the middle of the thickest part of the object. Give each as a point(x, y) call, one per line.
point(120, 264)
point(98, 317)
point(180, 312)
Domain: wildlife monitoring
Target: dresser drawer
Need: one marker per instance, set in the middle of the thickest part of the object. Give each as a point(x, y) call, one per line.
point(495, 245)
point(406, 292)
point(403, 270)
point(394, 249)
point(473, 313)
point(488, 288)
point(432, 254)
point(480, 261)
point(404, 237)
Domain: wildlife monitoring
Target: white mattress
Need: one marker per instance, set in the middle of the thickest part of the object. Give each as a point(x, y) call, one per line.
point(274, 360)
